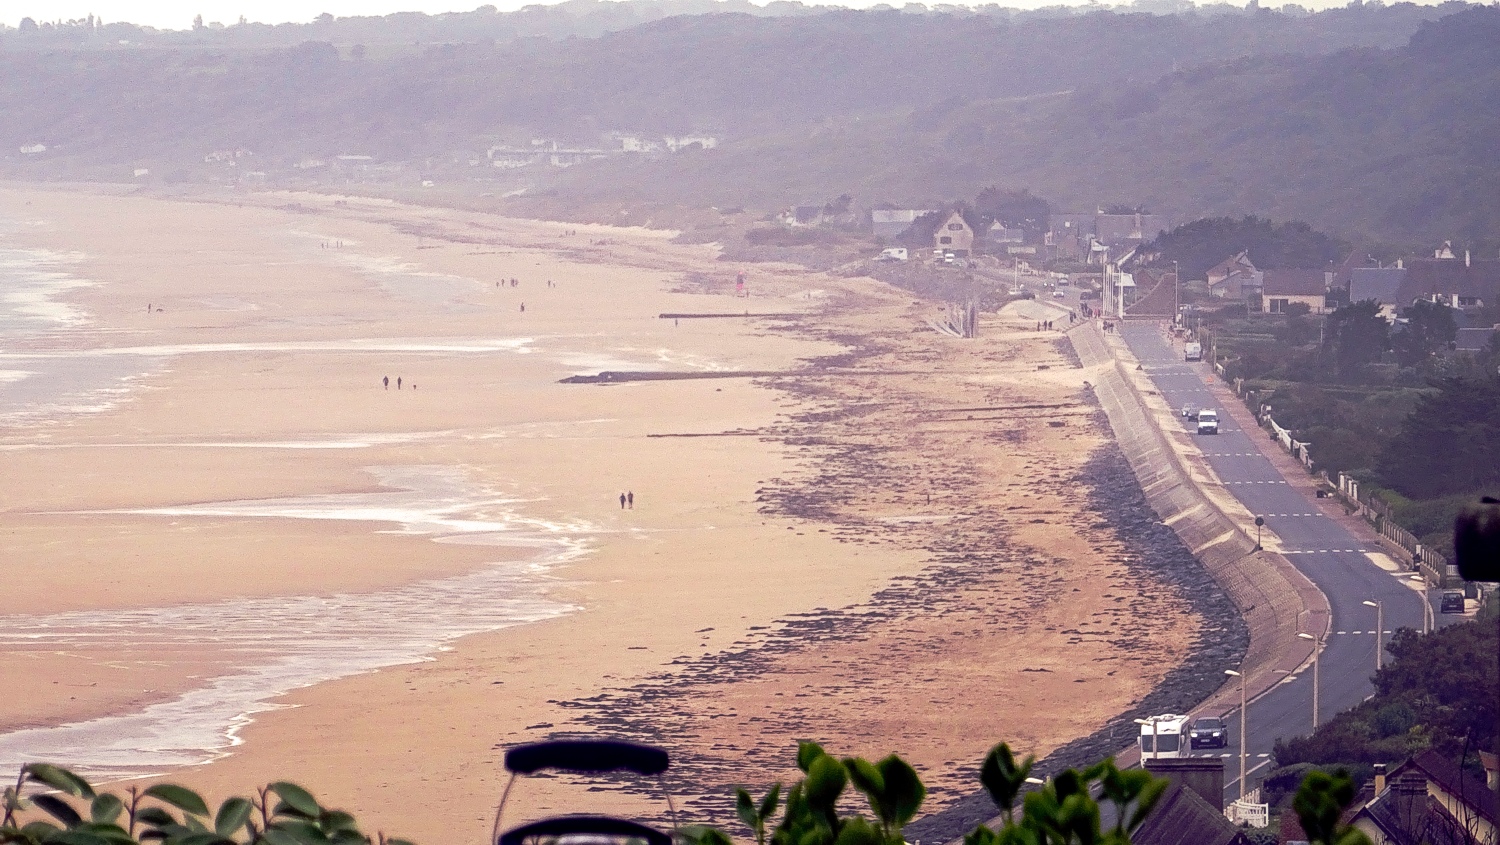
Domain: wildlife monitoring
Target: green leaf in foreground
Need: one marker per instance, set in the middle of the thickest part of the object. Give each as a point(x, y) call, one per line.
point(60, 779)
point(58, 809)
point(180, 797)
point(297, 798)
point(232, 816)
point(105, 809)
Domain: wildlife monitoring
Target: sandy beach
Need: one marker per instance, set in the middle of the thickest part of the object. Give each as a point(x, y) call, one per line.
point(881, 542)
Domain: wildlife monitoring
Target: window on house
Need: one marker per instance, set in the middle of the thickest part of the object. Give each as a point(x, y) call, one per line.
point(955, 227)
point(945, 240)
point(1277, 306)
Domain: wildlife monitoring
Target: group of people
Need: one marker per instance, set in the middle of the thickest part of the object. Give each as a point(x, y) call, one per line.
point(385, 381)
point(1045, 324)
point(627, 500)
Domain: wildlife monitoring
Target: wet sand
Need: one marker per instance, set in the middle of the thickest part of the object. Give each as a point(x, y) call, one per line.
point(889, 549)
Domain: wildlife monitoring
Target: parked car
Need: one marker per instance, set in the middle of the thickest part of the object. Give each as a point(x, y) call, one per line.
point(1452, 601)
point(1208, 732)
point(1190, 411)
point(1058, 294)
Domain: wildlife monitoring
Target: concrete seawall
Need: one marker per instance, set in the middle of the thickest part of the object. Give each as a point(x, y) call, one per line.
point(1276, 601)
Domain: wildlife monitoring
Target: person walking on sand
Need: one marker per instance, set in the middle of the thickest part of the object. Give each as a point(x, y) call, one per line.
point(523, 308)
point(398, 382)
point(386, 380)
point(630, 497)
point(622, 501)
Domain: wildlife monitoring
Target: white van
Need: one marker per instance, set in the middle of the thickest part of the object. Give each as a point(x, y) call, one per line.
point(1208, 421)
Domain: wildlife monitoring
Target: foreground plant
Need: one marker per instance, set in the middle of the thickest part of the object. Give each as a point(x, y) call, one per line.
point(281, 813)
point(1063, 810)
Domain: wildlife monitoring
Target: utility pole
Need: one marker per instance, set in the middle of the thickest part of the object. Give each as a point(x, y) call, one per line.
point(1317, 650)
point(1244, 740)
point(1379, 630)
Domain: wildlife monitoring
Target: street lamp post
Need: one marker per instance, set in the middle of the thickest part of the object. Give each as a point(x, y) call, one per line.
point(1259, 522)
point(1243, 738)
point(1317, 650)
point(1379, 631)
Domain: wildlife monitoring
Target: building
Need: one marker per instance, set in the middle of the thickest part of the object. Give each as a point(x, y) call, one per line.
point(955, 235)
point(1235, 278)
point(1429, 801)
point(1382, 284)
point(683, 142)
point(1455, 282)
point(1282, 288)
point(1191, 811)
point(998, 234)
point(891, 223)
point(1474, 340)
point(1119, 230)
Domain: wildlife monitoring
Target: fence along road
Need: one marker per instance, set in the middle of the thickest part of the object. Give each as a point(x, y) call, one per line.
point(1320, 547)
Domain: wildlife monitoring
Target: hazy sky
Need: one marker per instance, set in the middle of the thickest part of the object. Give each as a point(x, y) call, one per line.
point(178, 14)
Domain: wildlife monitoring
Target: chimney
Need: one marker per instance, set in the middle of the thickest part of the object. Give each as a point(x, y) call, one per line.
point(1400, 264)
point(1409, 801)
point(1203, 775)
point(1379, 779)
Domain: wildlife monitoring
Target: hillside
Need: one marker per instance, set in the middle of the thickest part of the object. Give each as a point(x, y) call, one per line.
point(1369, 120)
point(1393, 144)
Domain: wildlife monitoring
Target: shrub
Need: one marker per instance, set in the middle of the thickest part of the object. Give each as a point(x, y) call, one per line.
point(281, 813)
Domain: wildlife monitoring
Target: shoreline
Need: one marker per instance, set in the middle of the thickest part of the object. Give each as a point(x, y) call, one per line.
point(849, 485)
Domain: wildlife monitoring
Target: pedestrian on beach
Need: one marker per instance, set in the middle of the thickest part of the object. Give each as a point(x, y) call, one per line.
point(523, 308)
point(148, 308)
point(630, 497)
point(386, 380)
point(398, 382)
point(622, 501)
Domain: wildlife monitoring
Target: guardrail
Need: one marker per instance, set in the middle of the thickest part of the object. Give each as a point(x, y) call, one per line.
point(1432, 564)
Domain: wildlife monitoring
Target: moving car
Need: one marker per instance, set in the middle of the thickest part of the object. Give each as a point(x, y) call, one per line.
point(1190, 411)
point(1208, 421)
point(1208, 732)
point(1057, 294)
point(1452, 602)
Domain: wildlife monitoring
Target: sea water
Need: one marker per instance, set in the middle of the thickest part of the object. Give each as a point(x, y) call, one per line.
point(54, 363)
point(277, 645)
point(33, 313)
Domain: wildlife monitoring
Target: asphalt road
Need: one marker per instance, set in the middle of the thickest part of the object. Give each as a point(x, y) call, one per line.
point(1315, 544)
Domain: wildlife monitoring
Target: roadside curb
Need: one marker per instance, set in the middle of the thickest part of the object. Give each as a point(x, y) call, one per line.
point(1276, 600)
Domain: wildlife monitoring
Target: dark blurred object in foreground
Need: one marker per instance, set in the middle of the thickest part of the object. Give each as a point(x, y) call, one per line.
point(1476, 538)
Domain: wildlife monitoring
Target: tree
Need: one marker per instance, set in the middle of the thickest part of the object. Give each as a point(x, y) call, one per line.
point(28, 25)
point(197, 23)
point(1449, 444)
point(1436, 691)
point(1429, 328)
point(1015, 209)
point(1356, 336)
point(1200, 244)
